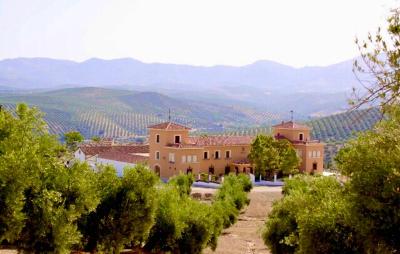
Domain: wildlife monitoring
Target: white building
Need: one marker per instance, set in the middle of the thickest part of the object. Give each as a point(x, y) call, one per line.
point(118, 156)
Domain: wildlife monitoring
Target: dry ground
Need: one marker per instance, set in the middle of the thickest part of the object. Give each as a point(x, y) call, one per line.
point(244, 237)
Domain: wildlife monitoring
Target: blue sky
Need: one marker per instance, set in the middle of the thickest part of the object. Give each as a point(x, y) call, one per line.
point(199, 32)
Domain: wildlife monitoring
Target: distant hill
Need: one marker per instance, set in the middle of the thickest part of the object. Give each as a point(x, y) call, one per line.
point(267, 85)
point(122, 113)
point(29, 73)
point(341, 127)
point(336, 128)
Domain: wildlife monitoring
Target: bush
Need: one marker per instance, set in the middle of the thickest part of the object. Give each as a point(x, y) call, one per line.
point(183, 183)
point(233, 190)
point(169, 222)
point(311, 218)
point(126, 212)
point(184, 225)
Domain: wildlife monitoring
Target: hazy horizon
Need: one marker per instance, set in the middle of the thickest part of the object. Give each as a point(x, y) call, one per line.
point(200, 33)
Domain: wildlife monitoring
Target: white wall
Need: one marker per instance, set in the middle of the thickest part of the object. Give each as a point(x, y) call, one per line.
point(79, 155)
point(119, 165)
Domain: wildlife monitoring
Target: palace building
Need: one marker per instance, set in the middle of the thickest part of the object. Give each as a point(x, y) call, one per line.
point(172, 150)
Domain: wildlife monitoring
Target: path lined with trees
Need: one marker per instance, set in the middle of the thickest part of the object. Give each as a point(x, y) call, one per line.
point(244, 237)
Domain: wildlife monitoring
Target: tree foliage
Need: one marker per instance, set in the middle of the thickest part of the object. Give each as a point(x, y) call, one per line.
point(372, 162)
point(72, 139)
point(184, 225)
point(311, 218)
point(126, 211)
point(40, 198)
point(379, 68)
point(271, 156)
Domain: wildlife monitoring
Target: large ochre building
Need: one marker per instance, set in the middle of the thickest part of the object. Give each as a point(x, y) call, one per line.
point(172, 150)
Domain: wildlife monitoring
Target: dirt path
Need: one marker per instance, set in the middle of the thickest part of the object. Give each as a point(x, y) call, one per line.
point(244, 237)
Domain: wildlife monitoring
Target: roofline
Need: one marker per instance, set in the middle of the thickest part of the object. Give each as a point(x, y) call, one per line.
point(169, 122)
point(303, 128)
point(186, 129)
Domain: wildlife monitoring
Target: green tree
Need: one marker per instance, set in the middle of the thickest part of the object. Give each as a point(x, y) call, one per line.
point(40, 199)
point(312, 217)
point(289, 162)
point(22, 152)
point(271, 156)
point(372, 163)
point(72, 139)
point(169, 223)
point(53, 205)
point(184, 225)
point(126, 211)
point(183, 183)
point(264, 155)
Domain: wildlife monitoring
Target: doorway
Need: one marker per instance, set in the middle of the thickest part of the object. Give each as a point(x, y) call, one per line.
point(157, 170)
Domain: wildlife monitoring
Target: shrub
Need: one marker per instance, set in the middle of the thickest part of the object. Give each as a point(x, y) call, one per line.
point(183, 183)
point(311, 218)
point(126, 212)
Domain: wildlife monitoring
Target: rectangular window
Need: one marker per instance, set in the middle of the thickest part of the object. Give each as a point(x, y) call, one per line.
point(157, 155)
point(206, 155)
point(189, 159)
point(177, 139)
point(194, 158)
point(301, 136)
point(158, 138)
point(183, 159)
point(216, 155)
point(171, 157)
point(228, 154)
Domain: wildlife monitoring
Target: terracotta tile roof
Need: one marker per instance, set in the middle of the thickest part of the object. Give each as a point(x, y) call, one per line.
point(123, 157)
point(291, 125)
point(168, 126)
point(219, 140)
point(131, 148)
point(94, 149)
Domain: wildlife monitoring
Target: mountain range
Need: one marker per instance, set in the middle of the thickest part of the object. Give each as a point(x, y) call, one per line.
point(265, 85)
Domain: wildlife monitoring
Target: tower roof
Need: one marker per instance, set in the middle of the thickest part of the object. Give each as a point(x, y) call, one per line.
point(168, 126)
point(292, 125)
